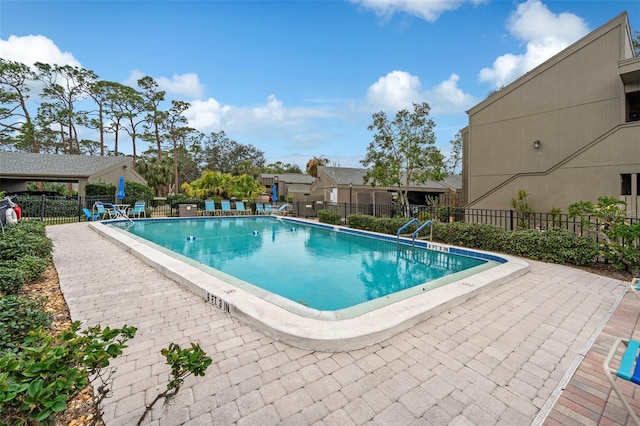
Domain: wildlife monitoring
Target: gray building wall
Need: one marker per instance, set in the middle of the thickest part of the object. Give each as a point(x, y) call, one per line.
point(574, 105)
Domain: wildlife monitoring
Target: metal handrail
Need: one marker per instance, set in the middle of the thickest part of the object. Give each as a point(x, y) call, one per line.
point(420, 228)
point(414, 220)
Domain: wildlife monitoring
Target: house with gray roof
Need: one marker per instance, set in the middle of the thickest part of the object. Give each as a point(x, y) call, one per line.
point(296, 185)
point(18, 168)
point(347, 185)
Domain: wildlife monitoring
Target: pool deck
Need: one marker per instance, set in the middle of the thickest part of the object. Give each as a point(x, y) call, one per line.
point(526, 352)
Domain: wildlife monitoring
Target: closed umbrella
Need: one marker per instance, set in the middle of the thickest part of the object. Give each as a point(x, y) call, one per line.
point(120, 194)
point(274, 197)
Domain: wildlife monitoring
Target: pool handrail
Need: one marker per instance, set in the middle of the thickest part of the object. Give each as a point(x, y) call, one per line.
point(412, 221)
point(420, 228)
point(117, 210)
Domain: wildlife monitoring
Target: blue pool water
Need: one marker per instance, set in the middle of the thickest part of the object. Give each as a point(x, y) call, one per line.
point(313, 266)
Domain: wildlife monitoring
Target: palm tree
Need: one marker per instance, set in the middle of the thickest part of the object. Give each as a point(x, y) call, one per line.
point(314, 163)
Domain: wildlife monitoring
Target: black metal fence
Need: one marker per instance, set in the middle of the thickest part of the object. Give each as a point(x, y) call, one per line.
point(56, 210)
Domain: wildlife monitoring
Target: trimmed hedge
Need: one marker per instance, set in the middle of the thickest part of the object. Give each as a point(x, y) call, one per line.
point(384, 225)
point(331, 217)
point(25, 253)
point(553, 245)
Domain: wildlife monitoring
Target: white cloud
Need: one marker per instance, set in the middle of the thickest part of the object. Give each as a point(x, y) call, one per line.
point(181, 85)
point(399, 89)
point(448, 98)
point(428, 10)
point(544, 33)
point(269, 119)
point(396, 90)
point(35, 48)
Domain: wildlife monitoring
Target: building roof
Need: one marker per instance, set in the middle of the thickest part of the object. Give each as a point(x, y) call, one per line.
point(55, 165)
point(290, 177)
point(346, 176)
point(621, 19)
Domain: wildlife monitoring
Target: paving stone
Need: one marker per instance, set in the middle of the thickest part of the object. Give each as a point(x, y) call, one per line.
point(359, 411)
point(249, 402)
point(395, 414)
point(315, 413)
point(272, 391)
point(225, 415)
point(335, 401)
point(348, 374)
point(338, 418)
point(323, 387)
point(292, 403)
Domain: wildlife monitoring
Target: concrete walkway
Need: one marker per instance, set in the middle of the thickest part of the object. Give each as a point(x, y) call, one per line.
point(498, 358)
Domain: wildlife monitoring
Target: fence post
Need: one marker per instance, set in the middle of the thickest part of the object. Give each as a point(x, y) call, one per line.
point(511, 220)
point(42, 204)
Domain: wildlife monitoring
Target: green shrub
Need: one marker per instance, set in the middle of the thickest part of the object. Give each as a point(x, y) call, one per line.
point(183, 363)
point(35, 226)
point(33, 267)
point(37, 382)
point(100, 189)
point(11, 280)
point(473, 235)
point(443, 214)
point(14, 245)
point(18, 316)
point(553, 245)
point(135, 191)
point(384, 225)
point(331, 217)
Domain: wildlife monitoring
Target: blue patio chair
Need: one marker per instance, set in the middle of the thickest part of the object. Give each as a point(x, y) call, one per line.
point(260, 208)
point(91, 217)
point(629, 369)
point(241, 209)
point(635, 286)
point(139, 209)
point(210, 208)
point(226, 207)
point(104, 213)
point(268, 209)
point(282, 210)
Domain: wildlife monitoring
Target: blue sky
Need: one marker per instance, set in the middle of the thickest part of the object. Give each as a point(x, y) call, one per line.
point(298, 79)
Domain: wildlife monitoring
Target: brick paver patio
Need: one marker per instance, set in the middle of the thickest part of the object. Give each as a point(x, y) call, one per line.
point(499, 358)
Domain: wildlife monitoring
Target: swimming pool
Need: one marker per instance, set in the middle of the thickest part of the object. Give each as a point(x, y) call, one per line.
point(314, 266)
point(272, 247)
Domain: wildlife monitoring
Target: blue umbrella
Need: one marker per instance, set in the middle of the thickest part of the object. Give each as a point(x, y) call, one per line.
point(120, 194)
point(274, 197)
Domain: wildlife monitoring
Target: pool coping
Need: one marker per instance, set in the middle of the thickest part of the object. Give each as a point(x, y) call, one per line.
point(318, 333)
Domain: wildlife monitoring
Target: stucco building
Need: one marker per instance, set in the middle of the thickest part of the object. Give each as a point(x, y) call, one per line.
point(568, 130)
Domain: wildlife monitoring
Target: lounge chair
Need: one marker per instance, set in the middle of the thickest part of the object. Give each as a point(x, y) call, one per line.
point(628, 370)
point(106, 213)
point(210, 208)
point(226, 207)
point(139, 209)
point(260, 208)
point(268, 209)
point(635, 286)
point(240, 208)
point(91, 217)
point(282, 210)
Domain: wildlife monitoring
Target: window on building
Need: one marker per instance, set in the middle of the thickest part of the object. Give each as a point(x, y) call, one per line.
point(633, 106)
point(625, 184)
point(637, 183)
